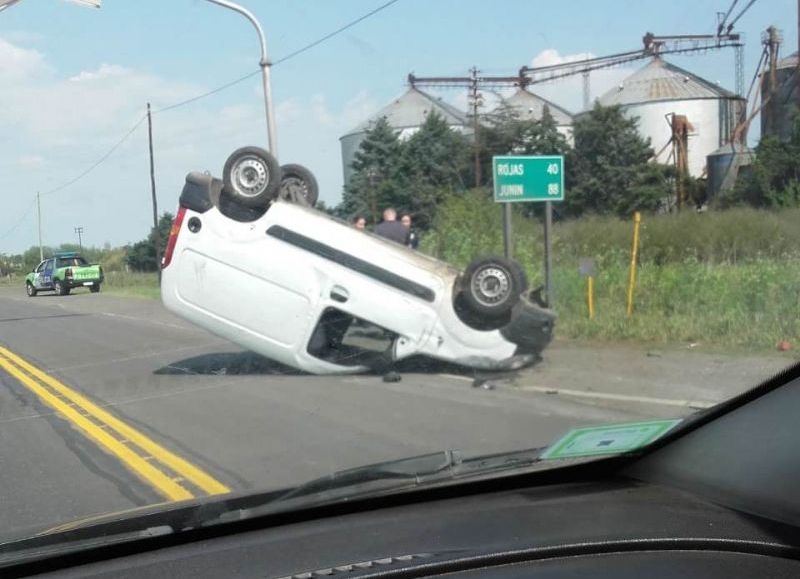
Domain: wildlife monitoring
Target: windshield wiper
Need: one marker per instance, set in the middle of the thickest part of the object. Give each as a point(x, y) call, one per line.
point(387, 477)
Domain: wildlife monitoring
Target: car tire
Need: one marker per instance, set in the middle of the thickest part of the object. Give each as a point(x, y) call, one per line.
point(492, 286)
point(95, 289)
point(30, 290)
point(522, 277)
point(252, 177)
point(60, 288)
point(298, 185)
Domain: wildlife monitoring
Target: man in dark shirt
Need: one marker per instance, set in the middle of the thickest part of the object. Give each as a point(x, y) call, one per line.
point(391, 228)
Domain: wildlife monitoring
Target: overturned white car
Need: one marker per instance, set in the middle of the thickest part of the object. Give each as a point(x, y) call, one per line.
point(249, 260)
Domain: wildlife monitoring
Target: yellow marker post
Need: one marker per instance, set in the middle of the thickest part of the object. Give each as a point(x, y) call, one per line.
point(590, 295)
point(637, 218)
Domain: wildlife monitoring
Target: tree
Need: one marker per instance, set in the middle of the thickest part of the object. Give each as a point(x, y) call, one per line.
point(773, 180)
point(506, 132)
point(435, 161)
point(609, 165)
point(374, 184)
point(142, 255)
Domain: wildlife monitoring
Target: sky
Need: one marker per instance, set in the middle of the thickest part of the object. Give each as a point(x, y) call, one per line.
point(76, 80)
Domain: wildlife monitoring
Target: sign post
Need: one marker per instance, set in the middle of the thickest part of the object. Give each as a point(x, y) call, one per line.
point(520, 179)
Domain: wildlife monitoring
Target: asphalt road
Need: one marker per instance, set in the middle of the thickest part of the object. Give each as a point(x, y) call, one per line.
point(209, 416)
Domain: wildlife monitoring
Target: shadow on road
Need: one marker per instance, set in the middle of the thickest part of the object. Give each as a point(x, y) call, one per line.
point(229, 363)
point(252, 364)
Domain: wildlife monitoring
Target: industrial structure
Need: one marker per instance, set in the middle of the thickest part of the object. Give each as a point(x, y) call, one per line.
point(780, 94)
point(691, 123)
point(659, 91)
point(405, 114)
point(529, 106)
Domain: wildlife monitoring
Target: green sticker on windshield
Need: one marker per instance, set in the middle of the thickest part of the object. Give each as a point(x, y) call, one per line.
point(609, 439)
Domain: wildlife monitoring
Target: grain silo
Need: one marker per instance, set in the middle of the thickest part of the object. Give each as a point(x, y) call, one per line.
point(725, 165)
point(405, 114)
point(778, 113)
point(659, 90)
point(530, 106)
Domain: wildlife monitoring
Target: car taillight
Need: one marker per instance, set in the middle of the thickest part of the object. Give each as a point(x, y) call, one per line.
point(173, 237)
point(68, 273)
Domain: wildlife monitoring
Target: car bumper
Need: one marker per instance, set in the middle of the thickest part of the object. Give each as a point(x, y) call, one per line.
point(530, 328)
point(73, 283)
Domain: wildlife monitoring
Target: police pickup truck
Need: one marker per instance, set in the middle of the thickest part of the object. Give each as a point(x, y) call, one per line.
point(63, 272)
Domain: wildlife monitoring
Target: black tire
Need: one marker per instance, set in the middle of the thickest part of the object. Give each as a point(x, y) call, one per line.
point(298, 185)
point(60, 288)
point(30, 290)
point(95, 289)
point(492, 286)
point(522, 277)
point(252, 177)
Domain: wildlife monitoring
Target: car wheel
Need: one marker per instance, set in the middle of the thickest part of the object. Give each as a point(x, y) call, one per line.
point(251, 176)
point(95, 288)
point(31, 291)
point(492, 286)
point(298, 185)
point(60, 288)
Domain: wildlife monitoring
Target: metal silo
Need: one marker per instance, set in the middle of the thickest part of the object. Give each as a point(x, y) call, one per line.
point(658, 91)
point(530, 106)
point(405, 114)
point(724, 166)
point(778, 113)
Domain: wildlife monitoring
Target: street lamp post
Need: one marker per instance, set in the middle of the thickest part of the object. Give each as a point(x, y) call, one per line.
point(265, 65)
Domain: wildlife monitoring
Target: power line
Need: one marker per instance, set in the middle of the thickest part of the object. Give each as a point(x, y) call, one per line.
point(209, 93)
point(335, 32)
point(19, 221)
point(289, 56)
point(281, 60)
point(98, 162)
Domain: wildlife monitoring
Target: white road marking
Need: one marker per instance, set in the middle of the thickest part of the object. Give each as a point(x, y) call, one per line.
point(697, 404)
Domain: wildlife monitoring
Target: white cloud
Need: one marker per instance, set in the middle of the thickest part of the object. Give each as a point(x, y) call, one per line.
point(105, 71)
point(551, 56)
point(18, 63)
point(568, 92)
point(29, 161)
point(60, 123)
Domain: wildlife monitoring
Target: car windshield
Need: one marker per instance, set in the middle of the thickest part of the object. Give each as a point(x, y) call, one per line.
point(70, 262)
point(384, 230)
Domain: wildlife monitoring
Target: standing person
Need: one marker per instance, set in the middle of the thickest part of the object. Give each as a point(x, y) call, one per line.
point(413, 236)
point(360, 222)
point(391, 228)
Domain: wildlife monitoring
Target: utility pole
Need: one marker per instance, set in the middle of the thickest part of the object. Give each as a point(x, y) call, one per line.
point(156, 234)
point(587, 94)
point(79, 231)
point(39, 215)
point(474, 97)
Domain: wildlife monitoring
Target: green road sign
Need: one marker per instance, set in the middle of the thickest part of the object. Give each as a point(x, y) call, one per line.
point(610, 439)
point(528, 178)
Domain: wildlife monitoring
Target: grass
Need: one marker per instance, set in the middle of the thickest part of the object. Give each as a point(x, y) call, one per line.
point(723, 279)
point(753, 305)
point(132, 284)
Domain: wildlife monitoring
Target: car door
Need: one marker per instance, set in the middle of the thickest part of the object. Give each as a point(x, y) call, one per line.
point(45, 277)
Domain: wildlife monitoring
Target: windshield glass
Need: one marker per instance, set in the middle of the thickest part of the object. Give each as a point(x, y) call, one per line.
point(70, 262)
point(445, 229)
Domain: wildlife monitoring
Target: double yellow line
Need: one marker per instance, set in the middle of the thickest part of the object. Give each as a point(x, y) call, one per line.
point(170, 475)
